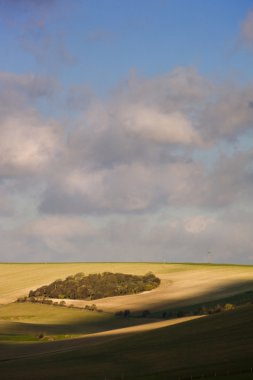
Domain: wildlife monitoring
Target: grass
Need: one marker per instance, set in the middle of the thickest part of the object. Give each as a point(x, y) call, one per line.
point(26, 321)
point(215, 344)
point(236, 300)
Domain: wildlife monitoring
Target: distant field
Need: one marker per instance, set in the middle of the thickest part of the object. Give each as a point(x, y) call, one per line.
point(17, 279)
point(182, 284)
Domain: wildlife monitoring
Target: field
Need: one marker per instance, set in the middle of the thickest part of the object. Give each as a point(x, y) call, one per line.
point(50, 342)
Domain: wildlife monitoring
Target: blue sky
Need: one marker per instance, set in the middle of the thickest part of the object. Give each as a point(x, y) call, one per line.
point(126, 130)
point(106, 39)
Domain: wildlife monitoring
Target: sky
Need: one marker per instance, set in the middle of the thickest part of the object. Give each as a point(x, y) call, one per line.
point(126, 130)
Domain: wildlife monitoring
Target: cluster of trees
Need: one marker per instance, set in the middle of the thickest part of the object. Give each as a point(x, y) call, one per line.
point(46, 301)
point(94, 286)
point(42, 300)
point(215, 309)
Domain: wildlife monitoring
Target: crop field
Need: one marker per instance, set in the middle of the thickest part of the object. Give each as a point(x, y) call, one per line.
point(180, 283)
point(17, 279)
point(50, 342)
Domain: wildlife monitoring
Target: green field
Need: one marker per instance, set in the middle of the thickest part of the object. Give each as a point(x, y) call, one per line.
point(218, 344)
point(52, 342)
point(28, 320)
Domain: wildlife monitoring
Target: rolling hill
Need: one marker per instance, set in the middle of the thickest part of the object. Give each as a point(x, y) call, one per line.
point(50, 342)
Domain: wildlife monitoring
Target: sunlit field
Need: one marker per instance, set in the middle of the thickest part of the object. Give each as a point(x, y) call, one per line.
point(66, 341)
point(181, 284)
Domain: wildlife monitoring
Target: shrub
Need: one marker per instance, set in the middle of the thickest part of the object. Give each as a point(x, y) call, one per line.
point(145, 313)
point(22, 299)
point(119, 313)
point(229, 306)
point(126, 313)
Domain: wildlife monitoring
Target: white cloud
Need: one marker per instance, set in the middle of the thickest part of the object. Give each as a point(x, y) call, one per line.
point(128, 158)
point(150, 124)
point(197, 224)
point(27, 144)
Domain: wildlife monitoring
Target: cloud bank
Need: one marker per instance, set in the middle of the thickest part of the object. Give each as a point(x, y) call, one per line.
point(161, 168)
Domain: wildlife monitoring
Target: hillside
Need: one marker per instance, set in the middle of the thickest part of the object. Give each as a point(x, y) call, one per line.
point(60, 342)
point(219, 344)
point(181, 284)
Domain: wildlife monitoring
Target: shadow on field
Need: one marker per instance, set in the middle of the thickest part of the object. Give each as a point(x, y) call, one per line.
point(157, 301)
point(207, 347)
point(238, 292)
point(75, 327)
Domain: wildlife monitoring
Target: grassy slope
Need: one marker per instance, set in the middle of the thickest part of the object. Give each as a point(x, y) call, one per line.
point(203, 345)
point(26, 321)
point(218, 343)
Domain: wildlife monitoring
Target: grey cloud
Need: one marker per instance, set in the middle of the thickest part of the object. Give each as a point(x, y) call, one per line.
point(122, 190)
point(247, 30)
point(121, 174)
point(113, 147)
point(154, 118)
point(142, 119)
point(227, 236)
point(19, 94)
point(7, 208)
point(228, 115)
point(111, 166)
point(145, 188)
point(136, 238)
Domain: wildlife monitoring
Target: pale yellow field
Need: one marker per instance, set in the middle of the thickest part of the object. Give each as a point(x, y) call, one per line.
point(17, 279)
point(181, 284)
